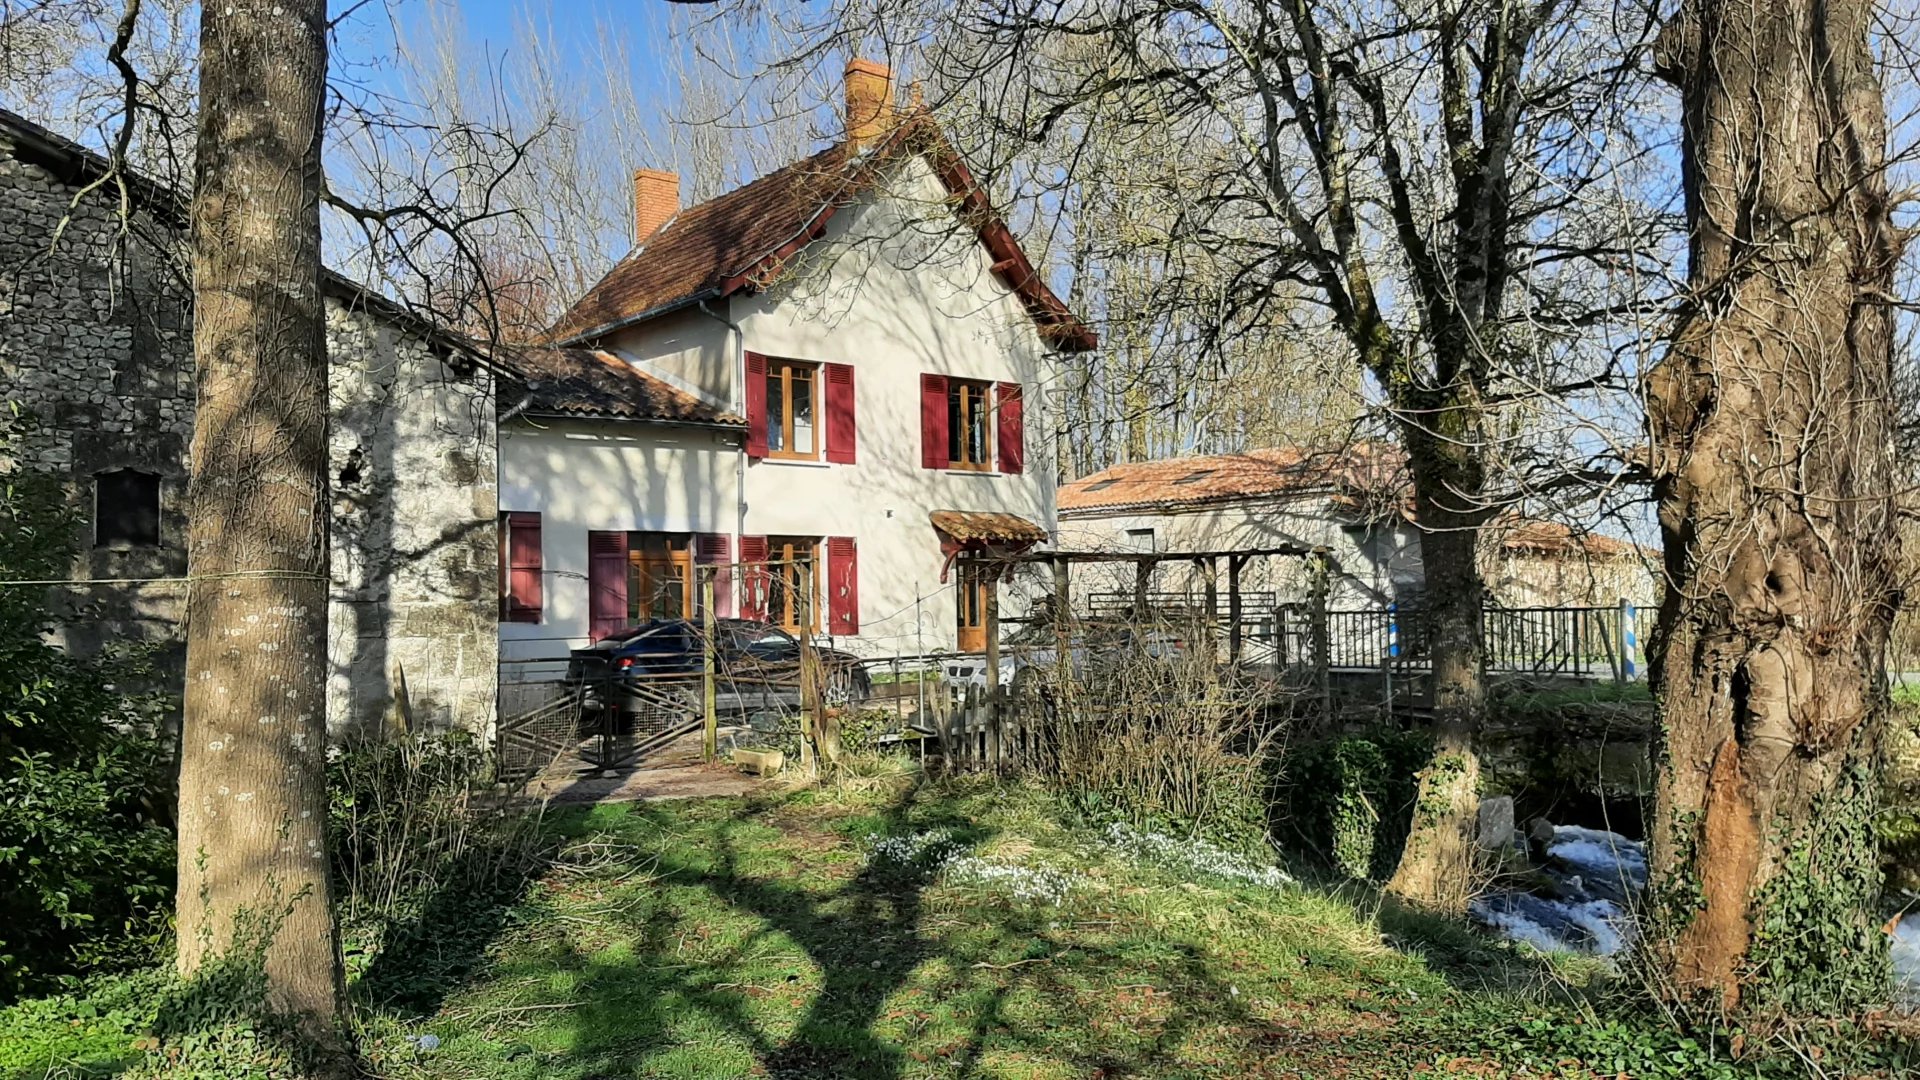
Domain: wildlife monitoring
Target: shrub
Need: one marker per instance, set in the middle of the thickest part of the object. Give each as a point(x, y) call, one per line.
point(400, 813)
point(1134, 732)
point(86, 796)
point(427, 861)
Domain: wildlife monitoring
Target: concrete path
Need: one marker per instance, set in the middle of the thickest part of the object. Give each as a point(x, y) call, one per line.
point(673, 772)
point(720, 779)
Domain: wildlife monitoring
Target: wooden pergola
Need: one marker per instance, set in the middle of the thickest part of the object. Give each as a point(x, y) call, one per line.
point(1144, 562)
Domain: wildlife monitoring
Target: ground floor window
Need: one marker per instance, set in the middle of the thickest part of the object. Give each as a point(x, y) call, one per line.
point(793, 583)
point(970, 609)
point(659, 576)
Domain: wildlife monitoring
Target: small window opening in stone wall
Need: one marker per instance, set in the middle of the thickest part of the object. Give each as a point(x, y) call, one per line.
point(350, 472)
point(126, 509)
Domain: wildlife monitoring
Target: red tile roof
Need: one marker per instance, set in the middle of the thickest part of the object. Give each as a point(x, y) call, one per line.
point(743, 239)
point(588, 382)
point(1367, 475)
point(1363, 470)
point(1533, 536)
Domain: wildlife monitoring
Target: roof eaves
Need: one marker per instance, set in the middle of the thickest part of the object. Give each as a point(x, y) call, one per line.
point(1198, 501)
point(727, 423)
point(654, 312)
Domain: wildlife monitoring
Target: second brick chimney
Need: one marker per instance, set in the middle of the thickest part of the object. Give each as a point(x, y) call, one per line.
point(869, 101)
point(656, 197)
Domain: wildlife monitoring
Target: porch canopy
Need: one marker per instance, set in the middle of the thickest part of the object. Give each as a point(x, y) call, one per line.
point(980, 532)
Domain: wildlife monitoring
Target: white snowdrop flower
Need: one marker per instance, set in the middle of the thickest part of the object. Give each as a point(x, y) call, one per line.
point(1194, 856)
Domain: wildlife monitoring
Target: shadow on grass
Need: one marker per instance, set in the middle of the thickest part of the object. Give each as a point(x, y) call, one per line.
point(424, 958)
point(644, 1007)
point(731, 939)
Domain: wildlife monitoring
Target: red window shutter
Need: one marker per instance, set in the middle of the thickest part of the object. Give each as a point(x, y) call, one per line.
point(753, 577)
point(756, 397)
point(843, 585)
point(606, 583)
point(933, 421)
point(716, 550)
point(523, 568)
point(840, 426)
point(1013, 428)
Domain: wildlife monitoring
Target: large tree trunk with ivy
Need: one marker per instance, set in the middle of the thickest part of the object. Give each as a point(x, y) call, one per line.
point(1436, 866)
point(252, 862)
point(1771, 419)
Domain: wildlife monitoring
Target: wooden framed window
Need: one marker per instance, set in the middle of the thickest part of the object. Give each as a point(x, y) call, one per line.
point(660, 581)
point(793, 583)
point(969, 416)
point(793, 409)
point(970, 609)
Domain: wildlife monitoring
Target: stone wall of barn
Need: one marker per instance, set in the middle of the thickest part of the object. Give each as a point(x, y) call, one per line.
point(96, 355)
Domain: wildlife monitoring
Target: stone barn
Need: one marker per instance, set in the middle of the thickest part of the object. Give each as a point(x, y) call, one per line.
point(96, 352)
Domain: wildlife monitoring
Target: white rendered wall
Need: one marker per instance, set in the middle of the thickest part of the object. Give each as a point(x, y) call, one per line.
point(605, 475)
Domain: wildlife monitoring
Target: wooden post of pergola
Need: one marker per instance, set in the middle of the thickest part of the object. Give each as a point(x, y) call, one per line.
point(994, 701)
point(1234, 565)
point(1142, 575)
point(1210, 626)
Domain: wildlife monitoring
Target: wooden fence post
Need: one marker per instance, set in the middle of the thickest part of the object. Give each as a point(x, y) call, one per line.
point(709, 696)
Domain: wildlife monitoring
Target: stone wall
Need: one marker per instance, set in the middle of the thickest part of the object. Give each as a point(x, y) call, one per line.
point(414, 620)
point(96, 350)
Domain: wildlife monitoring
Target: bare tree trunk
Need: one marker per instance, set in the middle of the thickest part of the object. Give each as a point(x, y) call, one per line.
point(1436, 866)
point(253, 862)
point(1772, 428)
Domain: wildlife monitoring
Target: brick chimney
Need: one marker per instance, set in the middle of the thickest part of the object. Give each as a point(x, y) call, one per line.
point(869, 101)
point(656, 197)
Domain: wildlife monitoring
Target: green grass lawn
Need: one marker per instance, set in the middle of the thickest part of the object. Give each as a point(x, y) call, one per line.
point(730, 938)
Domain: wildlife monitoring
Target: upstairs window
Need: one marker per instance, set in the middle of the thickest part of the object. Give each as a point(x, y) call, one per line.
point(971, 424)
point(968, 409)
point(792, 404)
point(126, 509)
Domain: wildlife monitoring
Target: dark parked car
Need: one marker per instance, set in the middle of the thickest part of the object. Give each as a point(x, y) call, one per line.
point(659, 664)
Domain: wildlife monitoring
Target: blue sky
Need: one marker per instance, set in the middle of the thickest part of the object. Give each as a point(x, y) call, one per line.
point(365, 43)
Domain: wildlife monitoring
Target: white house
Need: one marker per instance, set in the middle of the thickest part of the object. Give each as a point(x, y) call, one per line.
point(791, 382)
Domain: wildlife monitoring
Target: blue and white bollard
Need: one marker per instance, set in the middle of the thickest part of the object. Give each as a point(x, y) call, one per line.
point(1629, 641)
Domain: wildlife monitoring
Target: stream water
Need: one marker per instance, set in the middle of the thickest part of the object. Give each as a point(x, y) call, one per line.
point(1589, 881)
